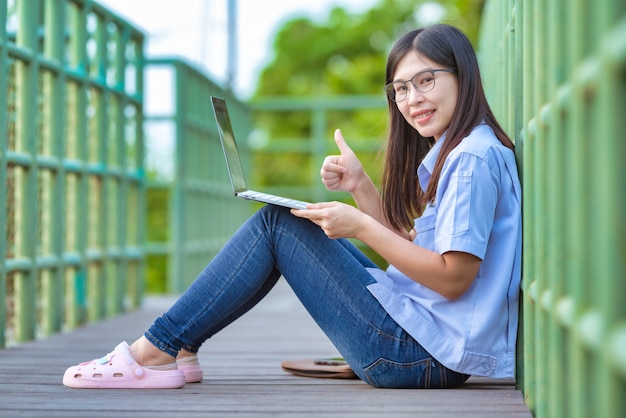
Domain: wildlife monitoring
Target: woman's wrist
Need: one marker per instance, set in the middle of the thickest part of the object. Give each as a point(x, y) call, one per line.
point(363, 187)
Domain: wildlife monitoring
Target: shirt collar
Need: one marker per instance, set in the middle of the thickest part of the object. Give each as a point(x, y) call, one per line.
point(427, 165)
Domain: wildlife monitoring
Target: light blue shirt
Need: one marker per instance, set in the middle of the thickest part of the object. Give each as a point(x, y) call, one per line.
point(477, 210)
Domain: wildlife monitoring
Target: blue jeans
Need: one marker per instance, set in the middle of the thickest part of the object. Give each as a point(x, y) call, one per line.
point(329, 278)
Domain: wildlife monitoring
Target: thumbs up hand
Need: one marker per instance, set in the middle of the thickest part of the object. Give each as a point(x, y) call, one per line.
point(342, 172)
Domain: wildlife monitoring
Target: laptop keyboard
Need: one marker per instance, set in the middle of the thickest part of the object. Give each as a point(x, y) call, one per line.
point(268, 198)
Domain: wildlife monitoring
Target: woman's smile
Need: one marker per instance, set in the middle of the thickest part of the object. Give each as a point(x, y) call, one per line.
point(422, 116)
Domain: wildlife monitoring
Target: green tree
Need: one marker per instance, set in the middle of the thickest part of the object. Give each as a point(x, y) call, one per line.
point(347, 53)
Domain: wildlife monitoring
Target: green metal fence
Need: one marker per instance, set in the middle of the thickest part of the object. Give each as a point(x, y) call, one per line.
point(203, 213)
point(556, 73)
point(71, 166)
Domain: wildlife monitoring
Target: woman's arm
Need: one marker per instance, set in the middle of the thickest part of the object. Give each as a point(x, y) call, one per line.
point(449, 274)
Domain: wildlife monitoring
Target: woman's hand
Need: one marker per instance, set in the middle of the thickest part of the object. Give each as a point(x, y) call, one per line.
point(336, 219)
point(342, 172)
point(345, 173)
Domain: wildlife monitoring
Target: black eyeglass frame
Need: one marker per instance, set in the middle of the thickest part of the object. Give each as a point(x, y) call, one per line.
point(391, 92)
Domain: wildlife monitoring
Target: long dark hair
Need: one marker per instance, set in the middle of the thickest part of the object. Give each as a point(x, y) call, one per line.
point(403, 199)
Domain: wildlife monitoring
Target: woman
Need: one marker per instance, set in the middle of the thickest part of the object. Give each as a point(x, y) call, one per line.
point(446, 308)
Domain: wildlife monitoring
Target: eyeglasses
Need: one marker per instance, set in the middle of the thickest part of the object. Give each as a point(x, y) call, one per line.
point(424, 81)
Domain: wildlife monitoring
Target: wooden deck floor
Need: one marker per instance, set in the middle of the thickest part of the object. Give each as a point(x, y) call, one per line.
point(242, 371)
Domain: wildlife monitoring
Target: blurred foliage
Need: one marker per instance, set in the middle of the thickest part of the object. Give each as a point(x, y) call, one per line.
point(156, 274)
point(157, 232)
point(347, 53)
point(158, 216)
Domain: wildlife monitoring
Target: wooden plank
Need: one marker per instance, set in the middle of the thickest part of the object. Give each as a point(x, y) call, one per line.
point(242, 375)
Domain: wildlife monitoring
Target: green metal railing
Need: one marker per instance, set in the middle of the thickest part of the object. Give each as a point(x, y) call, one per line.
point(203, 213)
point(71, 166)
point(556, 73)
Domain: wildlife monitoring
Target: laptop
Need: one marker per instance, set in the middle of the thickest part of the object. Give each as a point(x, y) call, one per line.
point(233, 162)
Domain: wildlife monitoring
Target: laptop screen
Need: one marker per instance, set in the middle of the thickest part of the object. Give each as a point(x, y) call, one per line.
point(229, 146)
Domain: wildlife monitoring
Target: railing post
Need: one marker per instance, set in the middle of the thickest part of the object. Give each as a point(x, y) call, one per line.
point(27, 138)
point(53, 283)
point(3, 167)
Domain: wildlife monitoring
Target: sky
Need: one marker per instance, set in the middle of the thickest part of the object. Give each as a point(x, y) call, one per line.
point(197, 30)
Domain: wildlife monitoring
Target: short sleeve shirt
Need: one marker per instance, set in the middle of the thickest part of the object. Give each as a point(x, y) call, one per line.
point(477, 210)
